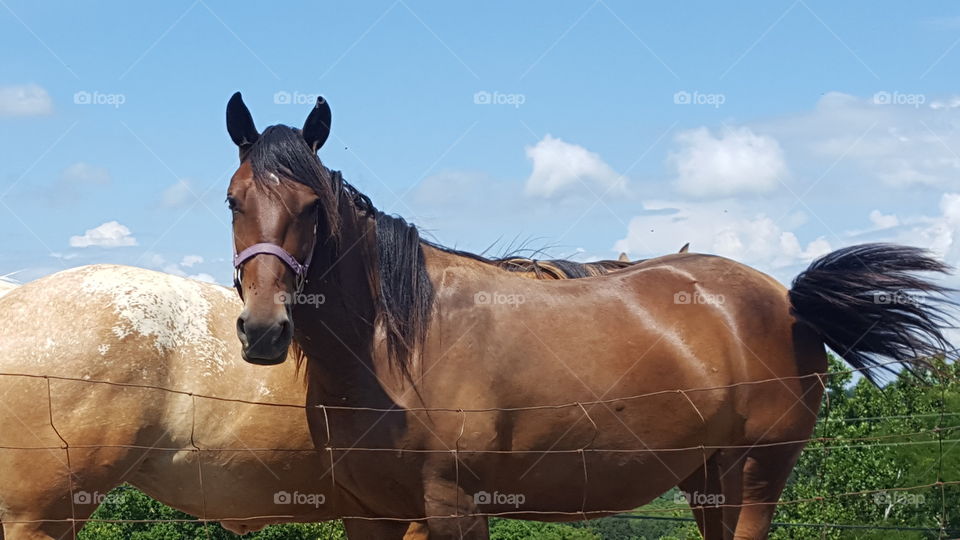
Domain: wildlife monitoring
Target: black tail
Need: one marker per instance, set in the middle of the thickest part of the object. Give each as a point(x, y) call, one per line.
point(867, 304)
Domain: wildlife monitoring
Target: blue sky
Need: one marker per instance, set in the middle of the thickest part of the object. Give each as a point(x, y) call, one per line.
point(770, 133)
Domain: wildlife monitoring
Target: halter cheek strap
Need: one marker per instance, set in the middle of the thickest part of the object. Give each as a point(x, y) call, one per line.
point(267, 248)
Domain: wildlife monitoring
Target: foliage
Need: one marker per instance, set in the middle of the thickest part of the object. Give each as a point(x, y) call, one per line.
point(902, 425)
point(511, 529)
point(127, 503)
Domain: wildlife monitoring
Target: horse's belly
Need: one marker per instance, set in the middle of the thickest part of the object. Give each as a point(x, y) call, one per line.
point(239, 484)
point(567, 484)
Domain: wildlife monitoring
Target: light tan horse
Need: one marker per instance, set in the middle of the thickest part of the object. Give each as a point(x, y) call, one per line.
point(452, 390)
point(92, 346)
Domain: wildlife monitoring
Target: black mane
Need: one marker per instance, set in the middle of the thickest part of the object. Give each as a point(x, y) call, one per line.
point(405, 296)
point(405, 293)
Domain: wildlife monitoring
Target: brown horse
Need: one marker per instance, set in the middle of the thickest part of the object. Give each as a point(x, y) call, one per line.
point(447, 389)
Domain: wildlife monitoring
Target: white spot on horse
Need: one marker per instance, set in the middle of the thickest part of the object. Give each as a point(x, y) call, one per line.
point(173, 311)
point(103, 349)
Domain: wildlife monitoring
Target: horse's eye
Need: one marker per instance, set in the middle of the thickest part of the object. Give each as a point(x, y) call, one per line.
point(232, 204)
point(310, 209)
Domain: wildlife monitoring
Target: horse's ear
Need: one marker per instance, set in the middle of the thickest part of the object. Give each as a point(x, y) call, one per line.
point(317, 127)
point(240, 123)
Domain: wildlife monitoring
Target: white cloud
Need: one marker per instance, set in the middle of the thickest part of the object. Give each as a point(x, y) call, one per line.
point(725, 229)
point(158, 261)
point(178, 194)
point(559, 166)
point(729, 229)
point(25, 100)
point(75, 182)
point(191, 260)
point(939, 233)
point(883, 221)
point(109, 235)
point(203, 276)
point(738, 161)
point(81, 173)
point(898, 145)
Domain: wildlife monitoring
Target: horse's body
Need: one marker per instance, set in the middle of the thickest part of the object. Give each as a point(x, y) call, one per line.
point(449, 389)
point(623, 335)
point(141, 328)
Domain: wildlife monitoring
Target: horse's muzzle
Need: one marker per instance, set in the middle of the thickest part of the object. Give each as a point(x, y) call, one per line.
point(265, 342)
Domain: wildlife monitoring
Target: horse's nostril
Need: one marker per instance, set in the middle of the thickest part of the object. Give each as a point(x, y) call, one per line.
point(241, 332)
point(283, 330)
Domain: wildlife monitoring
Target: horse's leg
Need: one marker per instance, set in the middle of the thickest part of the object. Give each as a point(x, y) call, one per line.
point(31, 526)
point(38, 502)
point(445, 498)
point(369, 529)
point(703, 487)
point(416, 531)
point(765, 473)
point(467, 528)
point(37, 531)
point(730, 465)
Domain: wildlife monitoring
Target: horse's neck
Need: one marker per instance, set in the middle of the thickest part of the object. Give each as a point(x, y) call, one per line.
point(337, 332)
point(346, 349)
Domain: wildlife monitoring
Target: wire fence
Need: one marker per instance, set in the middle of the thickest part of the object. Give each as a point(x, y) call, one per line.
point(935, 436)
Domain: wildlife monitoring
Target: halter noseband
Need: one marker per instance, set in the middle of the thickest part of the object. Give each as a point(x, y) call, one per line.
point(267, 248)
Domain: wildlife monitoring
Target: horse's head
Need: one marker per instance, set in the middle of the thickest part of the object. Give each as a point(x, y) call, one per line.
point(283, 205)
